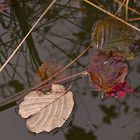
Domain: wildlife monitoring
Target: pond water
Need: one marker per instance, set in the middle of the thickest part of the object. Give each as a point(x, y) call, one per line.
point(62, 34)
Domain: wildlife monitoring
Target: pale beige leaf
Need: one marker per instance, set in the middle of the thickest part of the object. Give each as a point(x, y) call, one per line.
point(47, 111)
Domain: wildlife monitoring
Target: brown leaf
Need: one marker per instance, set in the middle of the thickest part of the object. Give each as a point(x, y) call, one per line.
point(46, 70)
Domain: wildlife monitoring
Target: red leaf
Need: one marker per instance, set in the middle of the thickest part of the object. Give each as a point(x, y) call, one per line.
point(121, 94)
point(120, 90)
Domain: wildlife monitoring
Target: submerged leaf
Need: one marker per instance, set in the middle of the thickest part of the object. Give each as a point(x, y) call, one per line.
point(109, 34)
point(45, 112)
point(46, 70)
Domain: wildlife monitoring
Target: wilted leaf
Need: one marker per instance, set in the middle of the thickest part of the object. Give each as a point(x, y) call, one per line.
point(107, 73)
point(45, 112)
point(106, 70)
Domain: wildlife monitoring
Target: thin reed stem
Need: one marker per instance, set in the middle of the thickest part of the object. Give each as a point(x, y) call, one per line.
point(64, 79)
point(120, 7)
point(126, 10)
point(129, 8)
point(62, 69)
point(34, 25)
point(134, 19)
point(108, 13)
point(23, 93)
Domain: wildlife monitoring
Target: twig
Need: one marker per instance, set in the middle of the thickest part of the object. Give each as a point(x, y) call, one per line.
point(17, 48)
point(65, 67)
point(121, 20)
point(64, 79)
point(23, 93)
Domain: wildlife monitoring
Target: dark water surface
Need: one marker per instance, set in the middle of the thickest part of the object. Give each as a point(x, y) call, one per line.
point(60, 37)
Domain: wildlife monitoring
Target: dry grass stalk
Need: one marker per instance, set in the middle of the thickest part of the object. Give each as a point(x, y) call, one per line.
point(126, 10)
point(115, 17)
point(134, 19)
point(129, 8)
point(34, 25)
point(121, 5)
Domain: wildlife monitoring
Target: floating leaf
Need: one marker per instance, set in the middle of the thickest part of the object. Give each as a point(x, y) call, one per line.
point(45, 112)
point(109, 34)
point(107, 70)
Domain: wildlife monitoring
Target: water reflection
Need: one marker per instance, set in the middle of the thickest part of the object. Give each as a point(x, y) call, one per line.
point(110, 113)
point(60, 36)
point(137, 136)
point(75, 132)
